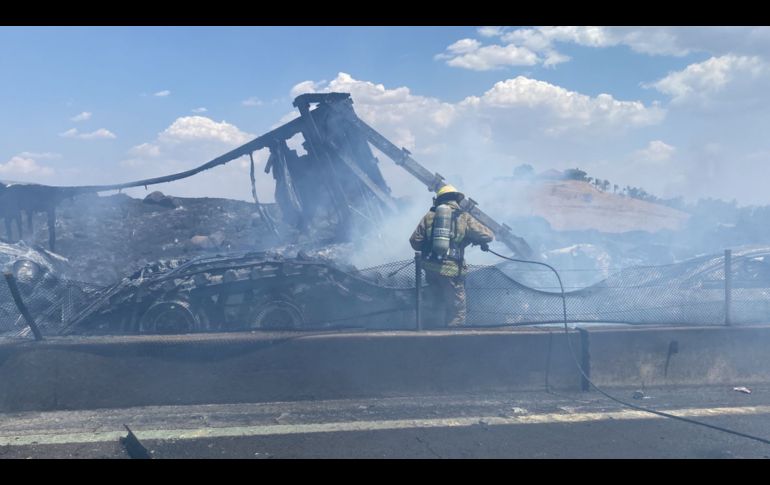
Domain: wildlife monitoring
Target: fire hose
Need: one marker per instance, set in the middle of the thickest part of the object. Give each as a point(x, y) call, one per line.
point(485, 247)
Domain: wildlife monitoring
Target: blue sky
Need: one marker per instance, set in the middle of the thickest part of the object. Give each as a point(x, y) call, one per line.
point(679, 111)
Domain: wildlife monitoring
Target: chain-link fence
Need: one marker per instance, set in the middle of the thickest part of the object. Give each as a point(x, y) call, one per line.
point(52, 302)
point(688, 293)
point(691, 292)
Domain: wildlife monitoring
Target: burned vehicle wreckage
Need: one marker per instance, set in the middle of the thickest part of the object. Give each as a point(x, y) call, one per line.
point(245, 292)
point(323, 196)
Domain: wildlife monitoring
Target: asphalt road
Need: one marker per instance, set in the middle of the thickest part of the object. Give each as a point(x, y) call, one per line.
point(513, 425)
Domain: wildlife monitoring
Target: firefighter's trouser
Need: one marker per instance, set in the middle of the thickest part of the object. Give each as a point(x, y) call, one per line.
point(448, 295)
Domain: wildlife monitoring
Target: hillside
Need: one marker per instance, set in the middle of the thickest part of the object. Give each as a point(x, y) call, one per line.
point(576, 205)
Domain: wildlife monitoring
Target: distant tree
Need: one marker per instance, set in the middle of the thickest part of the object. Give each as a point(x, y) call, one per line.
point(575, 174)
point(615, 189)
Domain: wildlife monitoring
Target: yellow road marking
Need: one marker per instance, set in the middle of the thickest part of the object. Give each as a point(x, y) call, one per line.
point(53, 437)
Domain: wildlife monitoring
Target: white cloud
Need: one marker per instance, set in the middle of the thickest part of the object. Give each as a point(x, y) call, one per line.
point(20, 165)
point(490, 31)
point(679, 41)
point(464, 46)
point(145, 150)
point(562, 109)
point(252, 101)
point(468, 54)
point(101, 133)
point(520, 47)
point(559, 109)
point(84, 116)
point(701, 81)
point(162, 94)
point(647, 40)
point(397, 109)
point(661, 42)
point(190, 141)
point(535, 45)
point(553, 58)
point(656, 151)
point(40, 156)
point(201, 128)
point(450, 137)
point(305, 87)
point(199, 110)
point(542, 39)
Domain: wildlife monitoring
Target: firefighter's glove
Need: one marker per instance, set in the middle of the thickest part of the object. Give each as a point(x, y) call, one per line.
point(484, 246)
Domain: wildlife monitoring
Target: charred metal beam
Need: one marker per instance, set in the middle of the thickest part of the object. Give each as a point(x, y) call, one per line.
point(262, 212)
point(352, 148)
point(319, 151)
point(304, 100)
point(364, 178)
point(283, 132)
point(292, 206)
point(401, 156)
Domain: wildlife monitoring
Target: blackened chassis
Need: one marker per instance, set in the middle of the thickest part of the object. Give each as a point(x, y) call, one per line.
point(244, 292)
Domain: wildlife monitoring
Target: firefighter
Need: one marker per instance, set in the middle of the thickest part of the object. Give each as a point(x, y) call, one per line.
point(442, 236)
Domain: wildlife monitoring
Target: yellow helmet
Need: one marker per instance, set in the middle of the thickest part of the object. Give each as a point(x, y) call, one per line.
point(446, 189)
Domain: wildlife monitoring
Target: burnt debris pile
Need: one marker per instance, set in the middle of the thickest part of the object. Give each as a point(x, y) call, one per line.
point(106, 238)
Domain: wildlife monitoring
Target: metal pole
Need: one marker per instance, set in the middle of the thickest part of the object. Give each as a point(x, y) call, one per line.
point(418, 287)
point(728, 284)
point(20, 305)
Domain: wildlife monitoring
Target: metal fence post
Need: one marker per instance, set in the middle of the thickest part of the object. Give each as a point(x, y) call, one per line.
point(418, 288)
point(728, 285)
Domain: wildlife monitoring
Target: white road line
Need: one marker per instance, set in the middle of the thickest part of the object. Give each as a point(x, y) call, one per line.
point(347, 426)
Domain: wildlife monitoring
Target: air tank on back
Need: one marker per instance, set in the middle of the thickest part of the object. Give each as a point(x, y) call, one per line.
point(442, 231)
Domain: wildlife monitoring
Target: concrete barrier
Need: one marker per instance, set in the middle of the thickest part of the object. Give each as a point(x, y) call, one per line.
point(98, 372)
point(678, 356)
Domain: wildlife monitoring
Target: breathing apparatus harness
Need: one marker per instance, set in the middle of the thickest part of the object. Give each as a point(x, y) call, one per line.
point(443, 244)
